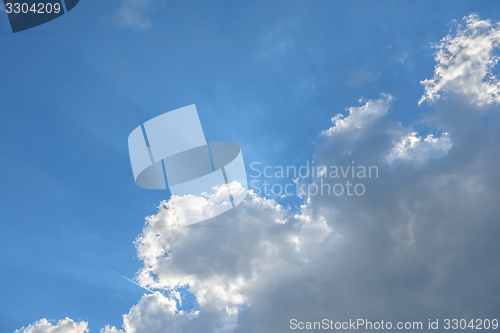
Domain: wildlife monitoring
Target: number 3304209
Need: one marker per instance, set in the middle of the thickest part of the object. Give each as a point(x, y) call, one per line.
point(36, 8)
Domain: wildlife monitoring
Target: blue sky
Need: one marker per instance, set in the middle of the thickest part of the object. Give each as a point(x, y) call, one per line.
point(267, 75)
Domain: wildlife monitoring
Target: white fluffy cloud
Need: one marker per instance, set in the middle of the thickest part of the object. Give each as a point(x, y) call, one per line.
point(362, 122)
point(360, 117)
point(421, 243)
point(225, 261)
point(62, 326)
point(417, 150)
point(111, 329)
point(465, 62)
point(403, 251)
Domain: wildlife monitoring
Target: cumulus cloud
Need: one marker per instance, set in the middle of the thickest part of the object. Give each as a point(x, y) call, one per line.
point(360, 117)
point(62, 326)
point(465, 62)
point(417, 150)
point(403, 251)
point(111, 329)
point(225, 264)
point(366, 124)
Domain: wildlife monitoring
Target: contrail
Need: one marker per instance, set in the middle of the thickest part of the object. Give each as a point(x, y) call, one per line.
point(113, 271)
